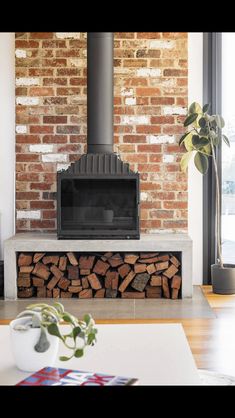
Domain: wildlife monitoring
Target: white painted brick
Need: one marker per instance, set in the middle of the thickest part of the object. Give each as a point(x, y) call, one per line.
point(160, 139)
point(27, 81)
point(62, 167)
point(135, 120)
point(144, 196)
point(21, 129)
point(42, 148)
point(148, 72)
point(161, 231)
point(77, 62)
point(54, 158)
point(21, 53)
point(174, 110)
point(68, 35)
point(27, 101)
point(28, 214)
point(168, 158)
point(127, 92)
point(129, 101)
point(161, 44)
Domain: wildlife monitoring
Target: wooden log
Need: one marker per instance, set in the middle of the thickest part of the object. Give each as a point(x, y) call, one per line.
point(85, 283)
point(37, 282)
point(176, 282)
point(175, 261)
point(73, 272)
point(25, 259)
point(85, 294)
point(171, 271)
point(149, 260)
point(133, 295)
point(63, 263)
point(72, 259)
point(86, 262)
point(26, 269)
point(24, 275)
point(25, 293)
point(164, 257)
point(49, 293)
point(107, 282)
point(99, 293)
point(101, 267)
point(65, 295)
point(63, 283)
point(85, 272)
point(124, 270)
point(94, 281)
point(175, 294)
point(53, 259)
point(140, 281)
point(57, 273)
point(126, 281)
point(74, 289)
point(116, 260)
point(115, 280)
point(56, 293)
point(156, 281)
point(153, 292)
point(148, 255)
point(37, 257)
point(111, 279)
point(131, 258)
point(140, 268)
point(151, 268)
point(24, 282)
point(42, 271)
point(165, 288)
point(52, 283)
point(41, 292)
point(111, 293)
point(106, 256)
point(162, 265)
point(76, 282)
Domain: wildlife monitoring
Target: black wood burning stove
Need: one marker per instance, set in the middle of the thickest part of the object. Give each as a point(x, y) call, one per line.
point(98, 195)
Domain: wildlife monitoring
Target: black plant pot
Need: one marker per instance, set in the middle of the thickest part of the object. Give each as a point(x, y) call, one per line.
point(223, 279)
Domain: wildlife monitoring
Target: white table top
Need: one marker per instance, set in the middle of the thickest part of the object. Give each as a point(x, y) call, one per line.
point(156, 354)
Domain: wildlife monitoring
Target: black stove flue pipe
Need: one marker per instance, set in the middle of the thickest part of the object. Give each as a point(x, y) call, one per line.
point(100, 92)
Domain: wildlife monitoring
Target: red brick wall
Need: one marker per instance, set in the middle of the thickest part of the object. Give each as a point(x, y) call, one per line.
point(150, 99)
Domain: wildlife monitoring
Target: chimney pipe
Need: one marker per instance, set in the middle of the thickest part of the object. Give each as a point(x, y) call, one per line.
point(100, 92)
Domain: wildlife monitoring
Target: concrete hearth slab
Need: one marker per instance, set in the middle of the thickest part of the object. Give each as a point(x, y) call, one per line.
point(196, 307)
point(40, 242)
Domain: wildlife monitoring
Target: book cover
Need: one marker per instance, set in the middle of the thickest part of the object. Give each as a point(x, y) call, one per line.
point(52, 376)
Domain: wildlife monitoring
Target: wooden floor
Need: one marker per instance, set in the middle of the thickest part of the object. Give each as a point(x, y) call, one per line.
point(212, 341)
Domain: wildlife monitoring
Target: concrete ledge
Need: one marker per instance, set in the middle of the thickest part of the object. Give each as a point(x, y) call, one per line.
point(41, 242)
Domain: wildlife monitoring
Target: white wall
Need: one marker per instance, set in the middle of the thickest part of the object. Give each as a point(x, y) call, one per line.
point(195, 85)
point(7, 136)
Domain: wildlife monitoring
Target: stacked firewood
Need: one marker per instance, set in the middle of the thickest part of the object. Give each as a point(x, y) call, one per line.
point(108, 275)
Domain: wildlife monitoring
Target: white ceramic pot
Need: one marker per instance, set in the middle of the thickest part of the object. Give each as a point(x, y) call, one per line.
point(23, 342)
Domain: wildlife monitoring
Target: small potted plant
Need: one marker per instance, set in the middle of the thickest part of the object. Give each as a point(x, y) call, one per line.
point(201, 142)
point(35, 335)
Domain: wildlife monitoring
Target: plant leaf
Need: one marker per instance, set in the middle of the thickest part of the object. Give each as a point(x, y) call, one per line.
point(188, 142)
point(190, 119)
point(76, 331)
point(183, 137)
point(185, 160)
point(68, 318)
point(226, 140)
point(59, 307)
point(54, 330)
point(64, 358)
point(202, 122)
point(205, 108)
point(201, 162)
point(87, 319)
point(199, 142)
point(195, 108)
point(79, 352)
point(43, 343)
point(219, 121)
point(216, 140)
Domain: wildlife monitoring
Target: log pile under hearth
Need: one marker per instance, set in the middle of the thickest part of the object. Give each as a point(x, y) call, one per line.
point(108, 275)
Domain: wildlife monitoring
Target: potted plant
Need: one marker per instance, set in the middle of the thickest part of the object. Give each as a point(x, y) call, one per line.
point(35, 335)
point(203, 136)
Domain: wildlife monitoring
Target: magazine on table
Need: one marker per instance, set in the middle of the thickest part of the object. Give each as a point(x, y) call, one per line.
point(52, 376)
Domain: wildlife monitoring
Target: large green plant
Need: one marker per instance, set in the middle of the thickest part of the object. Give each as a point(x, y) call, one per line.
point(203, 136)
point(47, 317)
